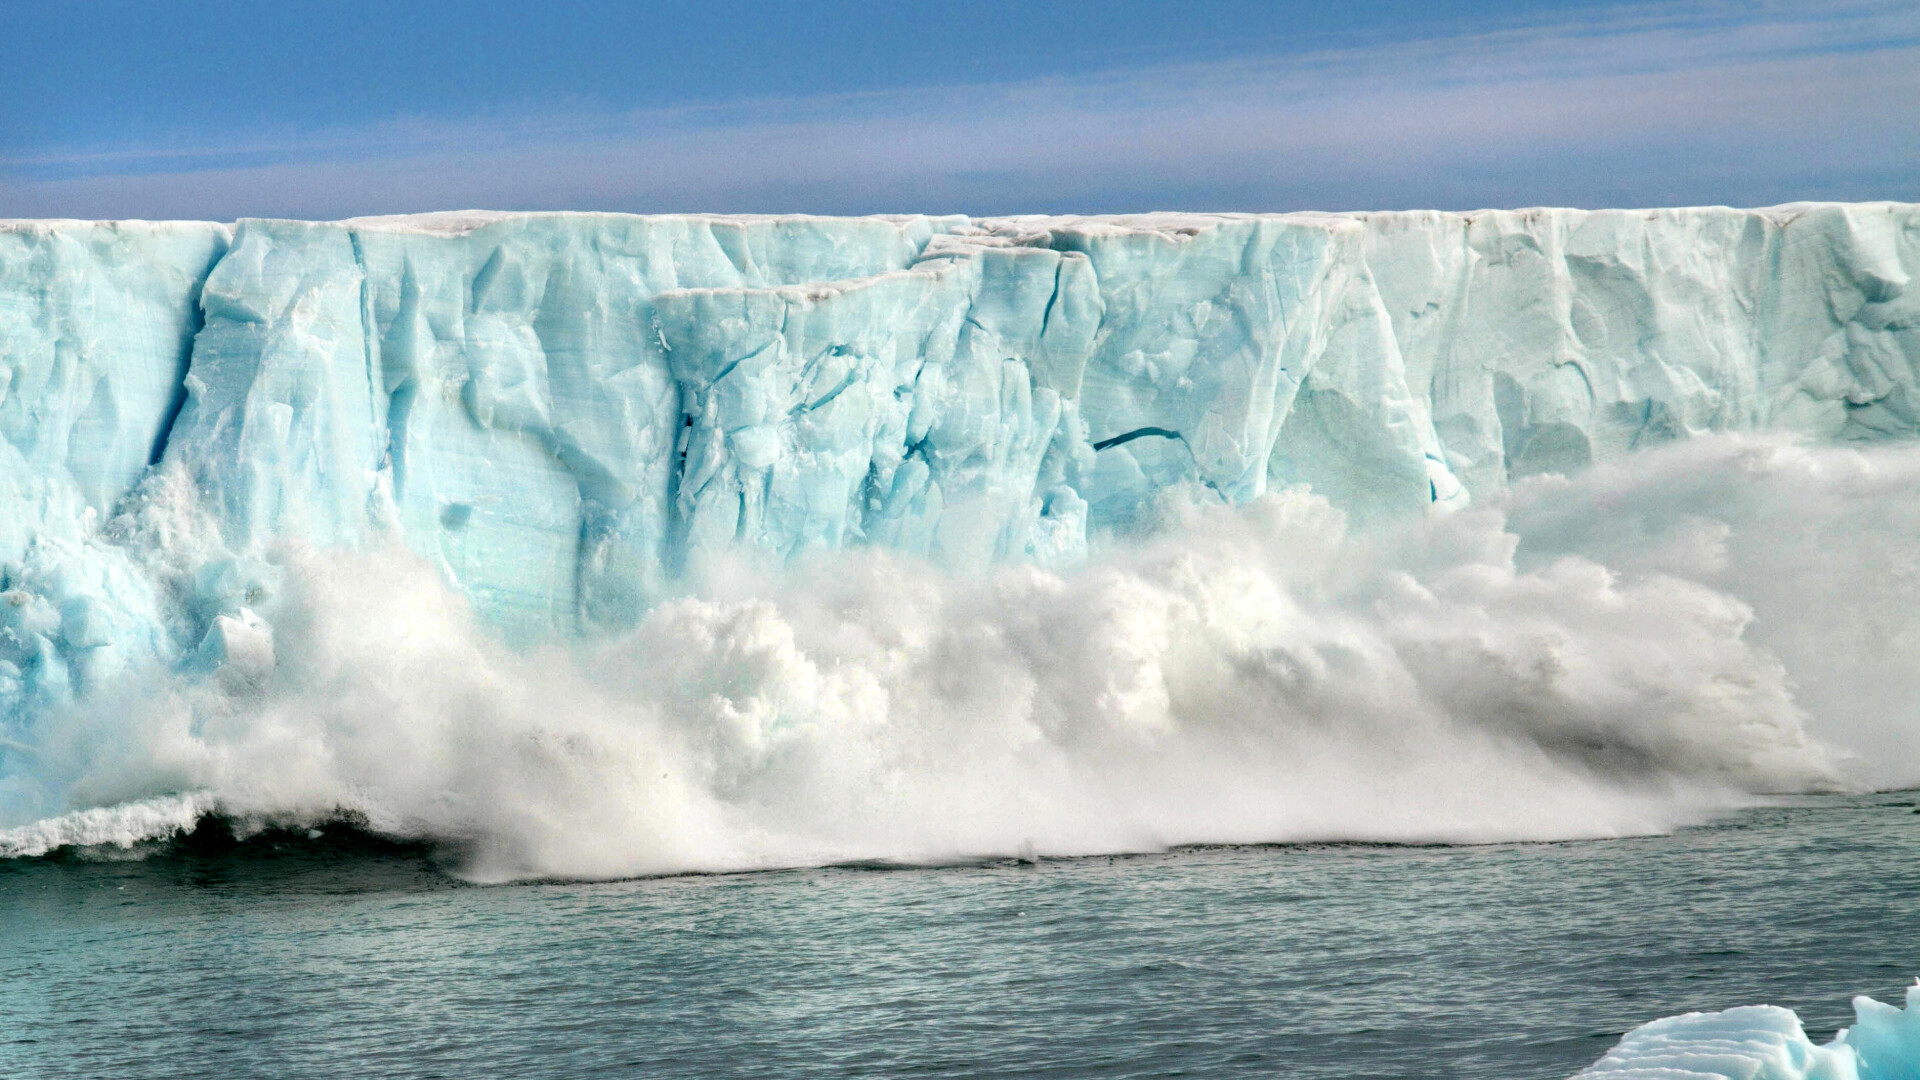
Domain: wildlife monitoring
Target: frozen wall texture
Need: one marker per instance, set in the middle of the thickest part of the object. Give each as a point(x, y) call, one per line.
point(564, 411)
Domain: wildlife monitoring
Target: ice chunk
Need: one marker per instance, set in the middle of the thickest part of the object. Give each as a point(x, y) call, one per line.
point(1765, 1042)
point(240, 643)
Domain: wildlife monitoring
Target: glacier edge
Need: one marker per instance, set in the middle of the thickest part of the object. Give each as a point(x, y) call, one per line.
point(561, 411)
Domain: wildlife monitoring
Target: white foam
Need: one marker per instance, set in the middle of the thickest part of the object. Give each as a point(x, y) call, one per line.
point(120, 826)
point(1244, 675)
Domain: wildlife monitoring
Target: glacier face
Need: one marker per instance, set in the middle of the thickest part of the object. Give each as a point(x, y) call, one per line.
point(97, 323)
point(562, 412)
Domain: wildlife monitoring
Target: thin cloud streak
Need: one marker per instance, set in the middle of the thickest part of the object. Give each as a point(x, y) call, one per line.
point(1704, 103)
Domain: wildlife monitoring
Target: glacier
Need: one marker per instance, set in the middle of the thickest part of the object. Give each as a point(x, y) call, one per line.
point(1766, 1042)
point(559, 410)
point(569, 416)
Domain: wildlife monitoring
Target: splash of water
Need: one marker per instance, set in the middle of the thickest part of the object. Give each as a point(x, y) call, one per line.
point(1616, 653)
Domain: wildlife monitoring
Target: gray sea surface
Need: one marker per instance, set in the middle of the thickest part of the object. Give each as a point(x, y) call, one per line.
point(289, 956)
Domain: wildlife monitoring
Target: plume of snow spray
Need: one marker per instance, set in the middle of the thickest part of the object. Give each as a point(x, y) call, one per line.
point(1616, 653)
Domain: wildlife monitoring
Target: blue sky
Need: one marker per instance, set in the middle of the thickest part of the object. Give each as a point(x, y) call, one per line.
point(287, 108)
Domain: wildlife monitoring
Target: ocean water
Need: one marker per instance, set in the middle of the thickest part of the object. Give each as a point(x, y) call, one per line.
point(338, 954)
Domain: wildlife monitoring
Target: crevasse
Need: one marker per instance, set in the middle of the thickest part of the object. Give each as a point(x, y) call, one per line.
point(562, 412)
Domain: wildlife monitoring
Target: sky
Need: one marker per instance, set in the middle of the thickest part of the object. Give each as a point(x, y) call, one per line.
point(287, 108)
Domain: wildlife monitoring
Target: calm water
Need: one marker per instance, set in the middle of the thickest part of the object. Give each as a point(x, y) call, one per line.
point(336, 958)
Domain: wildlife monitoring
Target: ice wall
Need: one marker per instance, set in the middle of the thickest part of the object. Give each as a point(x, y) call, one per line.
point(97, 323)
point(1545, 340)
point(97, 326)
point(563, 411)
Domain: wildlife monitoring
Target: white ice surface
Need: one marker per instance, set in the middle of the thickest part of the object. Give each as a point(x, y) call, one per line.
point(1765, 1042)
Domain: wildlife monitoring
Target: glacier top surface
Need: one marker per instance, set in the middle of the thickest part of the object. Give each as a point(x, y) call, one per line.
point(459, 222)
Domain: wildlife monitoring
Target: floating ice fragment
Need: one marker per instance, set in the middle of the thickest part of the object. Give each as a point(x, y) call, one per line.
point(1765, 1042)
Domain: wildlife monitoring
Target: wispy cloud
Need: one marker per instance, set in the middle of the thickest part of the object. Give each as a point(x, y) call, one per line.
point(1706, 102)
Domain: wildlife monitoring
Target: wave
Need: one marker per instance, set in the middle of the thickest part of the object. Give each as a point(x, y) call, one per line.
point(123, 826)
point(192, 828)
point(1635, 648)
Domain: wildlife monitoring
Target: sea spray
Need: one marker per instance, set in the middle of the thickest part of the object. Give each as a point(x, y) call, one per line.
point(1250, 674)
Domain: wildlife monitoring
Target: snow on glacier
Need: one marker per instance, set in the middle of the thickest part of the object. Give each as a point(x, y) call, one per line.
point(563, 414)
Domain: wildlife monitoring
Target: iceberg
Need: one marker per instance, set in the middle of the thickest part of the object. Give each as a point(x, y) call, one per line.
point(563, 412)
point(1765, 1042)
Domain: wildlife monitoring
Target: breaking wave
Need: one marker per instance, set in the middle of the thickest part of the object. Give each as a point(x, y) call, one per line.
point(1617, 653)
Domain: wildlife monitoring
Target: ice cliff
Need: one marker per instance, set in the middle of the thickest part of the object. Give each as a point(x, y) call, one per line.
point(562, 412)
